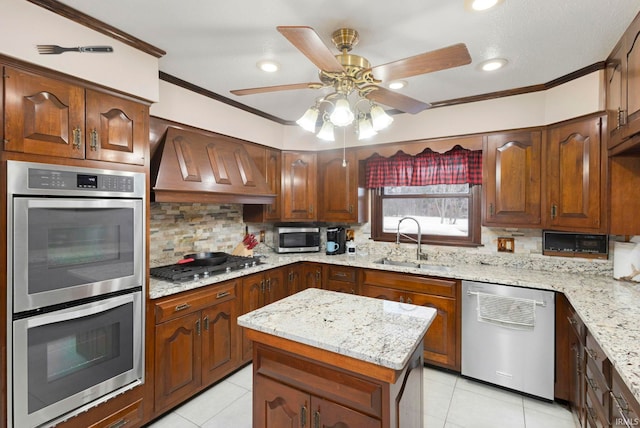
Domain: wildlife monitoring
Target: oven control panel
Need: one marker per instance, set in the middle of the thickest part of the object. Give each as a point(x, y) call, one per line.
point(68, 180)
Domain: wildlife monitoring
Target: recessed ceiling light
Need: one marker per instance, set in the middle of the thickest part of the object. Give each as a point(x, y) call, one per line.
point(480, 5)
point(268, 66)
point(397, 84)
point(493, 64)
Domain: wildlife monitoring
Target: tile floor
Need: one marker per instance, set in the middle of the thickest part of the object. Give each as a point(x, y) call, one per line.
point(450, 402)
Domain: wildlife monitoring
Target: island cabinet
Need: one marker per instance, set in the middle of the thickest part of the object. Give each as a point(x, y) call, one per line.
point(341, 278)
point(341, 193)
point(576, 176)
point(597, 375)
point(259, 290)
point(51, 117)
point(442, 341)
point(195, 341)
point(299, 186)
point(341, 375)
point(512, 179)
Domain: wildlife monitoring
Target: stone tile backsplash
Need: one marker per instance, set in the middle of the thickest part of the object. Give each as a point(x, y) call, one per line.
point(178, 229)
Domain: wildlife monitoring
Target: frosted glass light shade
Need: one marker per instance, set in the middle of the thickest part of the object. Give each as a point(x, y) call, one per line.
point(342, 114)
point(365, 129)
point(326, 132)
point(308, 119)
point(379, 118)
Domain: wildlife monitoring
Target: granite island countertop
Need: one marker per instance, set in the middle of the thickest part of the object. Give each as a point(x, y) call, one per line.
point(609, 308)
point(377, 331)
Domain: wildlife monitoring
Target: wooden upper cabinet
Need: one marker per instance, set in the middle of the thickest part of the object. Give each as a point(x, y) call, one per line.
point(51, 117)
point(340, 198)
point(615, 72)
point(511, 179)
point(299, 186)
point(116, 129)
point(269, 163)
point(43, 116)
point(632, 78)
point(576, 176)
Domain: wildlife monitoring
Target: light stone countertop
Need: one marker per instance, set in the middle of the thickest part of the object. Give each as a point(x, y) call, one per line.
point(377, 331)
point(609, 308)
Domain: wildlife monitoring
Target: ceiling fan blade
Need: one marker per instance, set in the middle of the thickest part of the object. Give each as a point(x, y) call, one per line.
point(397, 101)
point(263, 89)
point(428, 62)
point(307, 41)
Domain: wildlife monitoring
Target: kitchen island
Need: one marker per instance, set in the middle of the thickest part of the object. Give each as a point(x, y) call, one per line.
point(322, 358)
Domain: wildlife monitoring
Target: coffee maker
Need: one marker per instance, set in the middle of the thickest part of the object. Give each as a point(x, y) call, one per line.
point(336, 240)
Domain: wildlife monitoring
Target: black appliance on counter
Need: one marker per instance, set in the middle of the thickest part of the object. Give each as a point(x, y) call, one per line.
point(195, 269)
point(336, 240)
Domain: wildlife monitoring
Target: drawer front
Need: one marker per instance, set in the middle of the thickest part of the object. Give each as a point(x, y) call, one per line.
point(188, 302)
point(415, 283)
point(341, 273)
point(129, 416)
point(594, 415)
point(597, 385)
point(332, 383)
point(594, 353)
point(625, 409)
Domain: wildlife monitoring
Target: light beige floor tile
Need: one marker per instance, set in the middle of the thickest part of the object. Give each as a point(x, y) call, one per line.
point(488, 391)
point(210, 402)
point(437, 398)
point(536, 419)
point(172, 420)
point(553, 409)
point(243, 377)
point(433, 375)
point(433, 422)
point(237, 415)
point(472, 410)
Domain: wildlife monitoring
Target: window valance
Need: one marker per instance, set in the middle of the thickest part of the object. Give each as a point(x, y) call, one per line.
point(457, 166)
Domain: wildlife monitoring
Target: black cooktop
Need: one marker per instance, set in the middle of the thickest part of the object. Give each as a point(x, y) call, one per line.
point(191, 271)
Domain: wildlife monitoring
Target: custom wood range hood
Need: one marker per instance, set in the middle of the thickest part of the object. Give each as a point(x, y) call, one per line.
point(191, 166)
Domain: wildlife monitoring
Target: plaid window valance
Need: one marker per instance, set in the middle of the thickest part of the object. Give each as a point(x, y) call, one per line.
point(457, 166)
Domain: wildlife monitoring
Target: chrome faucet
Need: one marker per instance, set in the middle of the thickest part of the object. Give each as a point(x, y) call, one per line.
point(417, 241)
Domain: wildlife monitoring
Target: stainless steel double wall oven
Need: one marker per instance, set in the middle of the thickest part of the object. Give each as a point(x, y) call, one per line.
point(75, 289)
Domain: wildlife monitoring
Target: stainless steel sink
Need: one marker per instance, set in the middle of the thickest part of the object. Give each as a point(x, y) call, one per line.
point(426, 266)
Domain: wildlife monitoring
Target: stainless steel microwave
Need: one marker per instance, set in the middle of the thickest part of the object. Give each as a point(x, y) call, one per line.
point(296, 239)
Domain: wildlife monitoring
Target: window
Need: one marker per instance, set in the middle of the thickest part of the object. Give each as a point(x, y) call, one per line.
point(448, 214)
point(441, 191)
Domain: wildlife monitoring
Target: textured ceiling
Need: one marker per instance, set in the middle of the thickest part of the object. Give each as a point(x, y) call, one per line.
point(216, 44)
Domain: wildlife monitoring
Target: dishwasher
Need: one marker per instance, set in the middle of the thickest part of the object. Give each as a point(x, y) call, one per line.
point(508, 337)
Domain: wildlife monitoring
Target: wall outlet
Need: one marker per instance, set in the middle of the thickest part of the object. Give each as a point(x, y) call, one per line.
point(506, 245)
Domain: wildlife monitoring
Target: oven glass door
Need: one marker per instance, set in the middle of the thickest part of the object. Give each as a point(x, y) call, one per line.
point(69, 249)
point(65, 359)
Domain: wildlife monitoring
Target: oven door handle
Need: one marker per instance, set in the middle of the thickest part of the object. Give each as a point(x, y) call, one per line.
point(82, 310)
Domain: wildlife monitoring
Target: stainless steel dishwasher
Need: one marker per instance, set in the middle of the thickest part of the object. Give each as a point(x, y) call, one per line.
point(508, 336)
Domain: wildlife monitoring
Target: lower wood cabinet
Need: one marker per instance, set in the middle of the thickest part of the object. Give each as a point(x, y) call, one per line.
point(625, 409)
point(311, 275)
point(442, 342)
point(195, 342)
point(343, 279)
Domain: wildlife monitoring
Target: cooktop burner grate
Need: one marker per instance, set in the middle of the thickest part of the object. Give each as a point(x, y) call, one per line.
point(189, 271)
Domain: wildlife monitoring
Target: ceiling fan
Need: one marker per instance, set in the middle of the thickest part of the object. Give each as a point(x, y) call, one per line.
point(347, 72)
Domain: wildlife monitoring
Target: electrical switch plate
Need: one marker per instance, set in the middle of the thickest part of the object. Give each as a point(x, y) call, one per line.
point(506, 245)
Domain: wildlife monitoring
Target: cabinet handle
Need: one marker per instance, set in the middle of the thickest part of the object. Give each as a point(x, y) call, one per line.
point(592, 383)
point(269, 285)
point(592, 353)
point(311, 208)
point(409, 301)
point(262, 285)
point(290, 276)
point(341, 274)
point(622, 117)
point(94, 140)
point(401, 299)
point(491, 210)
point(591, 412)
point(572, 321)
point(182, 307)
point(76, 137)
point(120, 423)
point(350, 209)
point(318, 275)
point(621, 404)
point(554, 211)
point(198, 327)
point(206, 323)
point(222, 294)
point(303, 416)
point(316, 419)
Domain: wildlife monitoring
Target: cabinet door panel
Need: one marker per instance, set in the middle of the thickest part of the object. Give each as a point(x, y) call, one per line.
point(331, 415)
point(43, 116)
point(178, 360)
point(276, 286)
point(299, 186)
point(633, 78)
point(252, 299)
point(219, 330)
point(511, 181)
point(280, 406)
point(338, 198)
point(116, 129)
point(272, 175)
point(574, 175)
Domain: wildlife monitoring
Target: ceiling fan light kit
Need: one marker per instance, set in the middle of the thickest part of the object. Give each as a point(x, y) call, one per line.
point(352, 77)
point(493, 64)
point(268, 66)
